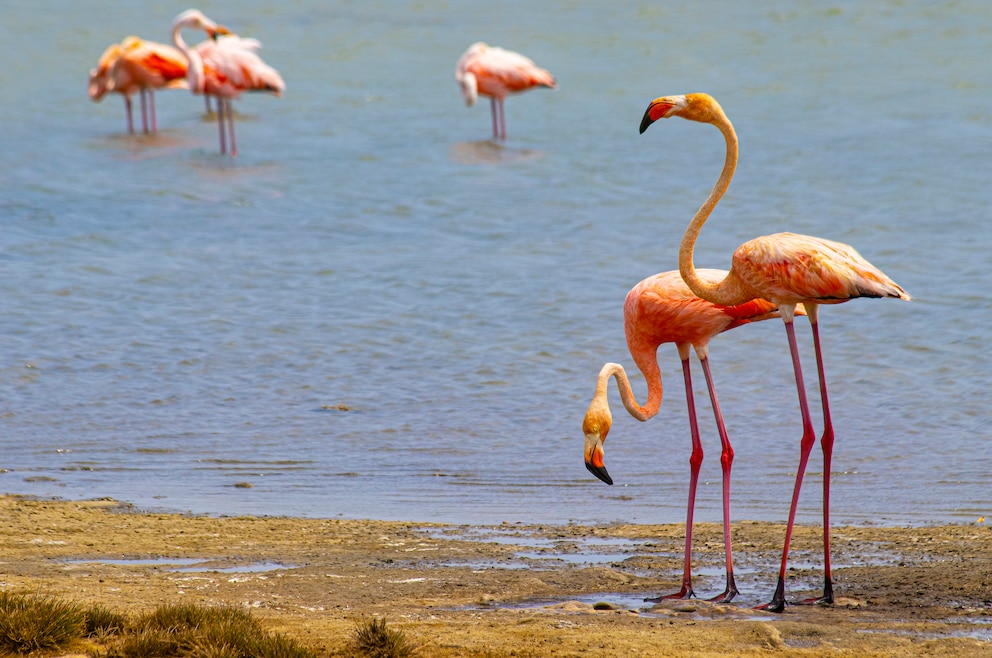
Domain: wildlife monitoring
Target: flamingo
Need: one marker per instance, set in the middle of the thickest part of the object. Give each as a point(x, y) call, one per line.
point(496, 72)
point(785, 269)
point(205, 49)
point(224, 70)
point(662, 309)
point(138, 66)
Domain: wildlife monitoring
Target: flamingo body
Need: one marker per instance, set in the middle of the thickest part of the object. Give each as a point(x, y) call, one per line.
point(138, 66)
point(662, 309)
point(494, 72)
point(785, 269)
point(226, 68)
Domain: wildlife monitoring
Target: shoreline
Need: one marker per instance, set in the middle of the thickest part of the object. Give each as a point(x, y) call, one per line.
point(516, 589)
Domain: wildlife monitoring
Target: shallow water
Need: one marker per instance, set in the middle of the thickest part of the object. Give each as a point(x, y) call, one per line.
point(376, 312)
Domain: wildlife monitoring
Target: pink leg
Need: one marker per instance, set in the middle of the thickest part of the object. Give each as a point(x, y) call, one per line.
point(220, 125)
point(144, 112)
point(502, 120)
point(695, 461)
point(827, 443)
point(493, 106)
point(230, 123)
point(151, 106)
point(726, 460)
point(127, 110)
point(777, 604)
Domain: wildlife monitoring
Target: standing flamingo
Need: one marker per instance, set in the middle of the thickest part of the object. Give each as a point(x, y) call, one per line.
point(495, 72)
point(138, 66)
point(662, 309)
point(785, 269)
point(225, 70)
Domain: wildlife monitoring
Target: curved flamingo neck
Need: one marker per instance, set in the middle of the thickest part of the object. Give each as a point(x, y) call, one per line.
point(194, 63)
point(731, 290)
point(652, 375)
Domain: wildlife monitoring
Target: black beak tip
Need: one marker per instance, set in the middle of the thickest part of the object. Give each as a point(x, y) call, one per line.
point(600, 472)
point(645, 122)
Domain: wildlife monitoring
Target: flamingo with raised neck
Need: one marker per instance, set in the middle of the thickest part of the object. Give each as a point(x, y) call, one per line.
point(785, 269)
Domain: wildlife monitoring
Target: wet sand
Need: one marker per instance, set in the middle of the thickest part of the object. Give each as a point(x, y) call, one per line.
point(513, 589)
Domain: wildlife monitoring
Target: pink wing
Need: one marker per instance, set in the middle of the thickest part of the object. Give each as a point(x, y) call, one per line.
point(793, 268)
point(232, 67)
point(498, 72)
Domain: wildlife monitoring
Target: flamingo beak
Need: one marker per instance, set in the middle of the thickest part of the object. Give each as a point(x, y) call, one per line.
point(658, 109)
point(594, 462)
point(218, 31)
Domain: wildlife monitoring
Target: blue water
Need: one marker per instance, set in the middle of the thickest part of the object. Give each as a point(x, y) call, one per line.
point(374, 311)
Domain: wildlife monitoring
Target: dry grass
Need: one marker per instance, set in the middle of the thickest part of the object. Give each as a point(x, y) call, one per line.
point(33, 623)
point(373, 639)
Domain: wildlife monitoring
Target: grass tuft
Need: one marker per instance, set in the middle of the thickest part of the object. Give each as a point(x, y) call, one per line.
point(372, 639)
point(37, 623)
point(31, 622)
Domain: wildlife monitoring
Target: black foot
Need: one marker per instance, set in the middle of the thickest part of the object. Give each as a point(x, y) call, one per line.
point(777, 604)
point(683, 594)
point(728, 594)
point(826, 599)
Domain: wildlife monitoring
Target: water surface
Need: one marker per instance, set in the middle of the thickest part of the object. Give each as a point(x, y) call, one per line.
point(374, 311)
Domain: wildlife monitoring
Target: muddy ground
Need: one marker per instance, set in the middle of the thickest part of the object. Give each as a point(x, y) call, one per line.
point(516, 590)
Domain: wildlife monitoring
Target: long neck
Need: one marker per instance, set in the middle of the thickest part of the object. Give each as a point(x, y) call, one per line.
point(729, 291)
point(641, 413)
point(194, 63)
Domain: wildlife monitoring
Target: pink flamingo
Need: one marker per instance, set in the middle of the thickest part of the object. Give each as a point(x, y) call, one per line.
point(495, 72)
point(138, 66)
point(662, 309)
point(225, 70)
point(785, 269)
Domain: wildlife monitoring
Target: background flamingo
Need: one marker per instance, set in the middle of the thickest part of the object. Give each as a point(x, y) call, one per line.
point(662, 309)
point(496, 72)
point(225, 70)
point(138, 66)
point(785, 269)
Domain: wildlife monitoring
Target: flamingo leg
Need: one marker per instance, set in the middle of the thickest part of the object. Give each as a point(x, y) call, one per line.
point(220, 125)
point(726, 460)
point(502, 120)
point(151, 106)
point(827, 444)
point(230, 124)
point(777, 604)
point(144, 112)
point(495, 112)
point(695, 461)
point(127, 110)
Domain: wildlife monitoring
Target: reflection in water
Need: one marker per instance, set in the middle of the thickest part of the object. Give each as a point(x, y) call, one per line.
point(490, 152)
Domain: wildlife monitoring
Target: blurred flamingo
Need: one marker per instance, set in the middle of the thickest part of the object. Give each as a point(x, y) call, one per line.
point(785, 269)
point(662, 309)
point(224, 70)
point(496, 72)
point(138, 66)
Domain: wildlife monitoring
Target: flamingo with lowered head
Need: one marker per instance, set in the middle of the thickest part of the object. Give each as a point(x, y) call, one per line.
point(138, 66)
point(662, 309)
point(226, 70)
point(489, 71)
point(785, 269)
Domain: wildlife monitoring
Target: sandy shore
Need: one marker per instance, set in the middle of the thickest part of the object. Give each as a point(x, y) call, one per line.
point(516, 590)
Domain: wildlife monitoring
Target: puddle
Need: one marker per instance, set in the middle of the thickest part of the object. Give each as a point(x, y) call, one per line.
point(188, 564)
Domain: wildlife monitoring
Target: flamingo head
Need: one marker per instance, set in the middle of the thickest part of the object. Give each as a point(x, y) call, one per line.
point(470, 88)
point(694, 107)
point(596, 425)
point(194, 19)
